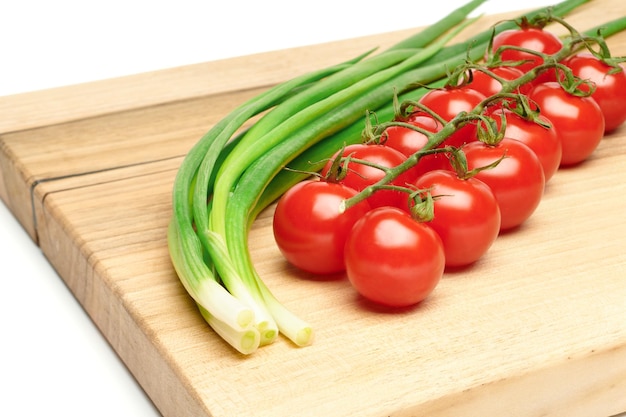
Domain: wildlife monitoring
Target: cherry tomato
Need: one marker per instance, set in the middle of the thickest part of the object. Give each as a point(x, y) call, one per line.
point(392, 259)
point(530, 38)
point(517, 181)
point(543, 140)
point(448, 103)
point(359, 175)
point(610, 92)
point(309, 229)
point(467, 215)
point(489, 86)
point(578, 121)
point(409, 141)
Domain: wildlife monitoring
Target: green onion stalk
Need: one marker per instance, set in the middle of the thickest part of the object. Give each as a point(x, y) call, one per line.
point(229, 176)
point(229, 314)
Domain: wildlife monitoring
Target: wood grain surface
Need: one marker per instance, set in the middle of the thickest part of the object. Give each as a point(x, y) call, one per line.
point(534, 329)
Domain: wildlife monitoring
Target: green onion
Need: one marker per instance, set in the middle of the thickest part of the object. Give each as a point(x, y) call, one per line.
point(185, 247)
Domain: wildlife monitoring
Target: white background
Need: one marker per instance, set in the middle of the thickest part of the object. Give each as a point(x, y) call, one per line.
point(53, 359)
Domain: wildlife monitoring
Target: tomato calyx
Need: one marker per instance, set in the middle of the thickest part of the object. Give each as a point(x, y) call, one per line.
point(603, 54)
point(523, 107)
point(458, 160)
point(492, 127)
point(338, 167)
point(422, 205)
point(574, 85)
point(408, 109)
point(488, 131)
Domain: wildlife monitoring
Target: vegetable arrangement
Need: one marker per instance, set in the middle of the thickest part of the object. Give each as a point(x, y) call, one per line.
point(328, 121)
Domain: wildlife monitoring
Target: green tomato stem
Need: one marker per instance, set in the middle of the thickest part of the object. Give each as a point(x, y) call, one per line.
point(571, 44)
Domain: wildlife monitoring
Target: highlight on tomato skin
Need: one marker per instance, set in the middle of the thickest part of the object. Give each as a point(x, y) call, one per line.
point(392, 259)
point(309, 229)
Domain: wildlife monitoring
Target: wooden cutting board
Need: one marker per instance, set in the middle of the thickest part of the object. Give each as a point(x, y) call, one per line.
point(535, 329)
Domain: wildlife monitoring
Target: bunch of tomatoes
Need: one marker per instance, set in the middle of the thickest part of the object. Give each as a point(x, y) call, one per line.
point(454, 170)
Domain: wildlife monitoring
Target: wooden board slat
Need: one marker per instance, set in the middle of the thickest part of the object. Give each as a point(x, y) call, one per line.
point(534, 329)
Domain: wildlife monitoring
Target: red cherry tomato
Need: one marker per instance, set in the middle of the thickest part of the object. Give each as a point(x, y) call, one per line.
point(467, 216)
point(392, 259)
point(610, 92)
point(532, 39)
point(578, 121)
point(489, 86)
point(409, 141)
point(448, 103)
point(517, 181)
point(359, 175)
point(543, 140)
point(309, 229)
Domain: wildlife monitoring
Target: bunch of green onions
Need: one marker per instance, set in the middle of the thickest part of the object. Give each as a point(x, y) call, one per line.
point(232, 174)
